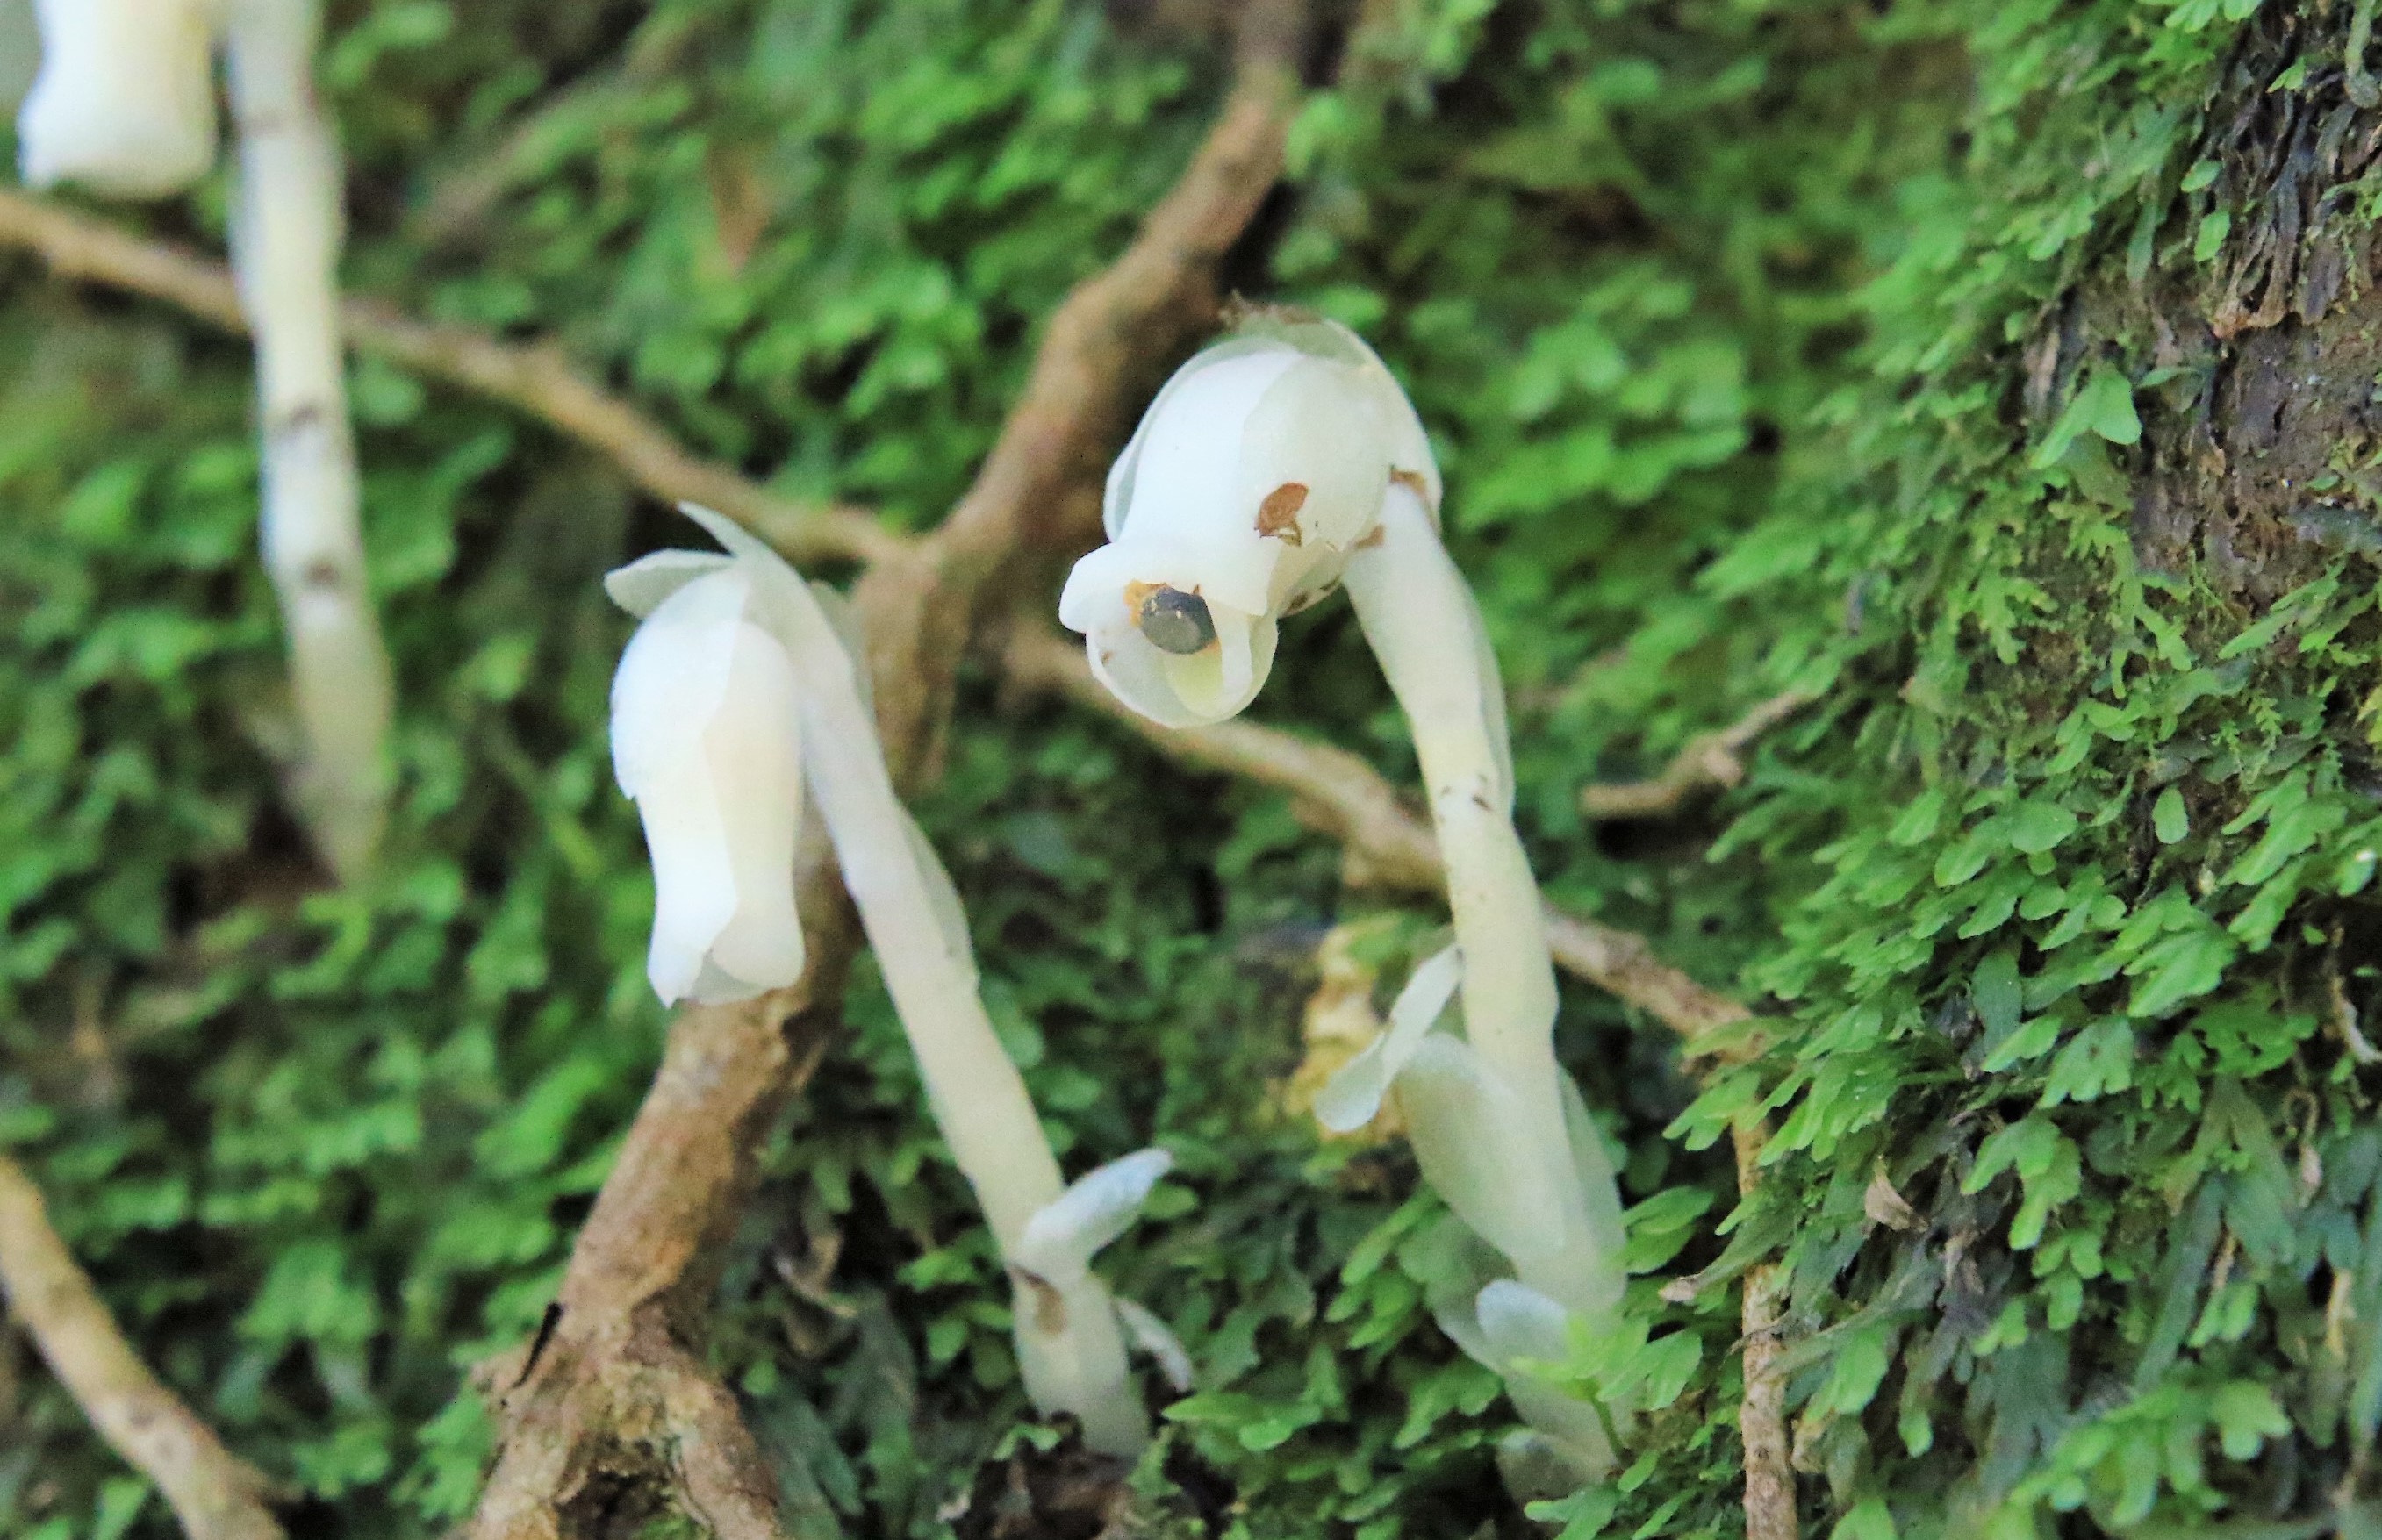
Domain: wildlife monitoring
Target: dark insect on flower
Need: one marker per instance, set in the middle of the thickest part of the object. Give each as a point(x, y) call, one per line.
point(1176, 621)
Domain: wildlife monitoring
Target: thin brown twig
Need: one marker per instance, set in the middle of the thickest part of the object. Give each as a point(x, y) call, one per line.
point(536, 380)
point(214, 1493)
point(1710, 762)
point(1336, 793)
point(1770, 1511)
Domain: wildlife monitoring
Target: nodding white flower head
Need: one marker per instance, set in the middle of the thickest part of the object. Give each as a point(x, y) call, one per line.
point(1257, 472)
point(125, 103)
point(705, 740)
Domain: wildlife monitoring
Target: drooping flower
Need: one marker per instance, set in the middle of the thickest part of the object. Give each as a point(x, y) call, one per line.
point(736, 649)
point(706, 739)
point(125, 102)
point(1255, 475)
point(1272, 466)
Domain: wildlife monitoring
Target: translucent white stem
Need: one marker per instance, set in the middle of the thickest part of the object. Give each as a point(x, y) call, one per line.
point(285, 243)
point(1069, 1347)
point(1424, 627)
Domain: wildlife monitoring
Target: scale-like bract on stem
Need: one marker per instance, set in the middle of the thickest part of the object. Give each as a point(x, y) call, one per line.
point(738, 669)
point(125, 104)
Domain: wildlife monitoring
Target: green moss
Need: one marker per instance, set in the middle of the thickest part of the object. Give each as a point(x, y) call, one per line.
point(1742, 382)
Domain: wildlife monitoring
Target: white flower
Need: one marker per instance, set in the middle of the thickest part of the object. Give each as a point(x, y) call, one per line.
point(125, 103)
point(1257, 472)
point(704, 738)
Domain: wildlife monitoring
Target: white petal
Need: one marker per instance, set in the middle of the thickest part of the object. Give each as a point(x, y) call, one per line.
point(1318, 428)
point(1178, 467)
point(1096, 1208)
point(1470, 1134)
point(1093, 599)
point(1154, 1338)
point(1353, 1095)
point(1218, 683)
point(1409, 447)
point(694, 883)
point(125, 102)
point(673, 674)
point(704, 738)
point(641, 586)
point(1173, 691)
point(1520, 1324)
point(754, 751)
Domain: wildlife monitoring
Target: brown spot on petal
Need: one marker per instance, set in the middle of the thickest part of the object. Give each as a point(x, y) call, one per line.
point(1278, 515)
point(1309, 599)
point(1372, 537)
point(1412, 481)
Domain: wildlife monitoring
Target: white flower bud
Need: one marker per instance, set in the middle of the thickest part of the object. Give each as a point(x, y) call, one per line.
point(1257, 472)
point(125, 103)
point(704, 738)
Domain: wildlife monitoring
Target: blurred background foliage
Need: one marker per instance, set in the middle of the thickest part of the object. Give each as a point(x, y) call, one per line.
point(326, 1151)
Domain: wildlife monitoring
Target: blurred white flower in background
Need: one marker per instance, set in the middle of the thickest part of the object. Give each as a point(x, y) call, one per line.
point(125, 102)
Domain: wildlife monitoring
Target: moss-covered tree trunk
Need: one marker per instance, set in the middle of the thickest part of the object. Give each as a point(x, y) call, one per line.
point(2075, 1160)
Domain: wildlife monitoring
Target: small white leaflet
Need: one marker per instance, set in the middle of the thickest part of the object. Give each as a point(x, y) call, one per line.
point(1521, 1325)
point(1156, 1341)
point(1097, 1208)
point(1353, 1095)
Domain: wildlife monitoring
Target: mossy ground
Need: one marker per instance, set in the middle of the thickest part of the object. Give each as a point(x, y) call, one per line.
point(1861, 348)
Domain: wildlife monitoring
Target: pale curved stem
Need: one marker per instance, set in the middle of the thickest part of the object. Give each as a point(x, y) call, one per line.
point(286, 239)
point(1071, 1348)
point(1423, 626)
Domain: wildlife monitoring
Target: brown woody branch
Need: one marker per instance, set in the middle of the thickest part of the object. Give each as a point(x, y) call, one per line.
point(1712, 762)
point(1770, 1509)
point(214, 1493)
